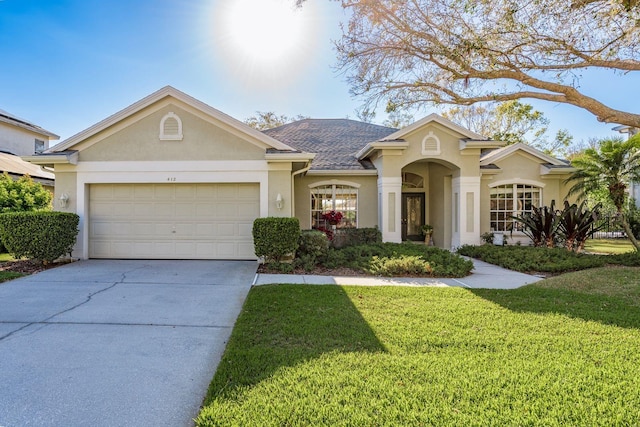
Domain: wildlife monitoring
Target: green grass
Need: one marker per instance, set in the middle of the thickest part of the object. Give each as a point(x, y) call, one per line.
point(9, 275)
point(608, 246)
point(565, 351)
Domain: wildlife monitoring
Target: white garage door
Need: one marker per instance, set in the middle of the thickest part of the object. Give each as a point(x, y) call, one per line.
point(172, 221)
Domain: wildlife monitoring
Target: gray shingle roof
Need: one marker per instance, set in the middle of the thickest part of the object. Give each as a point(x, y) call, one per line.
point(335, 141)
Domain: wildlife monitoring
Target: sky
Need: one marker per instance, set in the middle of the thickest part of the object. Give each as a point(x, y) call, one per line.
point(68, 64)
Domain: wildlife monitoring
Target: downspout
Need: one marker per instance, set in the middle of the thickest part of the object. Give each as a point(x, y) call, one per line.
point(293, 188)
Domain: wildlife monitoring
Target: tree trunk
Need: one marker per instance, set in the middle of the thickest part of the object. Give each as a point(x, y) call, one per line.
point(627, 229)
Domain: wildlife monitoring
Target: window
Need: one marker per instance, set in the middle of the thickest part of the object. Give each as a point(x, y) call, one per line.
point(171, 127)
point(340, 198)
point(38, 146)
point(512, 200)
point(412, 180)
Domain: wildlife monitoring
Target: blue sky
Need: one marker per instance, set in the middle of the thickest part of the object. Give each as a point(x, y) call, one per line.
point(67, 64)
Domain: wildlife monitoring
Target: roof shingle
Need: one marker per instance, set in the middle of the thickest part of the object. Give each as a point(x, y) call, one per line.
point(335, 141)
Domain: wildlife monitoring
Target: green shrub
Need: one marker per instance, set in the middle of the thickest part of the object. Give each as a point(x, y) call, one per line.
point(43, 236)
point(313, 247)
point(443, 263)
point(356, 236)
point(23, 195)
point(314, 243)
point(629, 259)
point(404, 265)
point(531, 259)
point(275, 238)
point(279, 267)
point(487, 238)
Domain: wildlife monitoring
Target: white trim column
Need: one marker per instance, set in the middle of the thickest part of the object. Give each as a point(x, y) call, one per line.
point(465, 211)
point(390, 208)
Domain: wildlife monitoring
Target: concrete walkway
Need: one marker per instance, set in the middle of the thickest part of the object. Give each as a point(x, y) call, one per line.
point(484, 275)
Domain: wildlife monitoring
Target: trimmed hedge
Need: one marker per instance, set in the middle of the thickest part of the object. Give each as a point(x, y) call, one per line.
point(345, 237)
point(275, 238)
point(43, 236)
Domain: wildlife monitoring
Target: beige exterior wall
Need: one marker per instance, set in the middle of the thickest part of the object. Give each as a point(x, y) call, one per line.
point(66, 184)
point(520, 168)
point(280, 183)
point(140, 140)
point(367, 197)
point(132, 151)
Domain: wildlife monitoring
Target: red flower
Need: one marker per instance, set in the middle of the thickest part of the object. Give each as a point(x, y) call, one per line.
point(333, 217)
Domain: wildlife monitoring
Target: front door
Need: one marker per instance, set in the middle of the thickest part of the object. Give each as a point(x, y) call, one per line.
point(412, 216)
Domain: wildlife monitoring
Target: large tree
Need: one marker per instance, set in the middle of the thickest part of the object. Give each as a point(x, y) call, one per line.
point(411, 52)
point(609, 167)
point(511, 122)
point(268, 119)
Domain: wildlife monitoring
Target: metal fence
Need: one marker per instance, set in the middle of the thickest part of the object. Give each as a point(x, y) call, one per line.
point(611, 229)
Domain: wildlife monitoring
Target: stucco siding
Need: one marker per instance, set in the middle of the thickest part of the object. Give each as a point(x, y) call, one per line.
point(140, 140)
point(367, 197)
point(520, 168)
point(66, 183)
point(280, 183)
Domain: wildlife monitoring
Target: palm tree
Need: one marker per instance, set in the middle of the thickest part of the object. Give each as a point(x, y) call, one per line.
point(611, 166)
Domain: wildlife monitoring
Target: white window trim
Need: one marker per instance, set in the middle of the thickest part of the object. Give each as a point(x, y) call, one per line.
point(514, 185)
point(333, 183)
point(173, 137)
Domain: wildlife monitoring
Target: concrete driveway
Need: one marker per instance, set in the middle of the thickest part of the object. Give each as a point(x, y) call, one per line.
point(115, 342)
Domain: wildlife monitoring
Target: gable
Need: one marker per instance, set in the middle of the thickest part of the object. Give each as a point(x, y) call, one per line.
point(137, 112)
point(519, 161)
point(144, 139)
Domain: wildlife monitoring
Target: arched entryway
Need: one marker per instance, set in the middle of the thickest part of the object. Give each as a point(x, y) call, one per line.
point(427, 199)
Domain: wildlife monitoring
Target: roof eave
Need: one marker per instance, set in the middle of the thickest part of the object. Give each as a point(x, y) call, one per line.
point(31, 128)
point(289, 157)
point(381, 145)
point(359, 172)
point(480, 143)
point(546, 170)
point(45, 159)
point(156, 97)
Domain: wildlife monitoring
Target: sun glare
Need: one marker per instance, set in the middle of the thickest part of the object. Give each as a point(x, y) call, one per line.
point(272, 36)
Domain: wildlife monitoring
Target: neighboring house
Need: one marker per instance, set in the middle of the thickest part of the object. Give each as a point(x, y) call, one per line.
point(634, 187)
point(19, 137)
point(171, 177)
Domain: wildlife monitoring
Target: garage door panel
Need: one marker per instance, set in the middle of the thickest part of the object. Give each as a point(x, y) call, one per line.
point(122, 192)
point(185, 192)
point(172, 221)
point(248, 191)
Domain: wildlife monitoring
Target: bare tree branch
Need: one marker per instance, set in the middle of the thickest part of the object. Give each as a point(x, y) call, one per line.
point(408, 52)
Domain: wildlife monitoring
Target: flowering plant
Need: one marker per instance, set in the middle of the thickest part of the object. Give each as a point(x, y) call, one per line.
point(333, 217)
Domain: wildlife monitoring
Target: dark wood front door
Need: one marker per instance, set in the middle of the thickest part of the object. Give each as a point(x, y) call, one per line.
point(412, 216)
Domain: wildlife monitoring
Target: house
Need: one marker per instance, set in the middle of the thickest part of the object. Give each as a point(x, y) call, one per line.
point(172, 177)
point(19, 137)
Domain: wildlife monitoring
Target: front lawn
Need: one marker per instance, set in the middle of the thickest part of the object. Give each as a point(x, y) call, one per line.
point(608, 246)
point(9, 275)
point(564, 351)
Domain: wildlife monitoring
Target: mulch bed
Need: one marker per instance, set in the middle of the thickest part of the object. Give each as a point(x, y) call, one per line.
point(26, 266)
point(318, 271)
